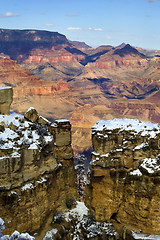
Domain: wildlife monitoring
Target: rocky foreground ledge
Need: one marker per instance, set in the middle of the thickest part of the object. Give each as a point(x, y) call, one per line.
point(37, 175)
point(125, 176)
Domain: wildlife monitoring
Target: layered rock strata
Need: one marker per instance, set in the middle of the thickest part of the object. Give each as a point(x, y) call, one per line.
point(6, 98)
point(37, 175)
point(125, 174)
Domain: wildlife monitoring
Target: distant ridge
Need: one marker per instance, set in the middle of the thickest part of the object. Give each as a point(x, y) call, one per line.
point(80, 45)
point(122, 45)
point(127, 50)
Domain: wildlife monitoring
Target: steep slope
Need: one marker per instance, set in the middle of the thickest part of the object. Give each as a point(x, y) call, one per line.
point(35, 48)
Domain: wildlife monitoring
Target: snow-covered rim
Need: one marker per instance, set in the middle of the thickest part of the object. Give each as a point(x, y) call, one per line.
point(147, 128)
point(8, 87)
point(11, 138)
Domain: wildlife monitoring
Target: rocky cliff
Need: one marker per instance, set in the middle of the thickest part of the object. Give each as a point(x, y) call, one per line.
point(45, 53)
point(124, 183)
point(37, 176)
point(6, 97)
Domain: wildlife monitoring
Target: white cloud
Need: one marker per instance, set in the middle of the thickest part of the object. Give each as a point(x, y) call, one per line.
point(49, 24)
point(94, 29)
point(98, 29)
point(73, 28)
point(84, 29)
point(9, 14)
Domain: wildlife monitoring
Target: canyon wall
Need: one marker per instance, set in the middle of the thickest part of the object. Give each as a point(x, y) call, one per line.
point(124, 183)
point(37, 176)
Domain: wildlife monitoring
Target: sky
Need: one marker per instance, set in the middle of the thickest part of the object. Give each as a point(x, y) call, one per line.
point(95, 22)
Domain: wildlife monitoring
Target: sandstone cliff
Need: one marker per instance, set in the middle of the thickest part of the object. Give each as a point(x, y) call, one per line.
point(37, 175)
point(125, 175)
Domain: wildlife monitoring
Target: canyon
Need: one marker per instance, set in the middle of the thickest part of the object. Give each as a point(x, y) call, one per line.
point(79, 83)
point(39, 185)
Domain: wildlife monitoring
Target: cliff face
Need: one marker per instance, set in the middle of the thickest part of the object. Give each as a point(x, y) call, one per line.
point(6, 97)
point(34, 49)
point(125, 174)
point(37, 175)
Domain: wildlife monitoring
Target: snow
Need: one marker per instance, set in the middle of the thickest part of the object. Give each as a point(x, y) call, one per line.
point(13, 193)
point(48, 139)
point(50, 234)
point(16, 154)
point(8, 87)
point(22, 133)
point(96, 154)
point(136, 172)
point(134, 125)
point(27, 186)
point(145, 236)
point(1, 221)
point(150, 165)
point(31, 108)
point(42, 180)
point(78, 212)
point(13, 117)
point(33, 146)
point(15, 234)
point(62, 120)
point(142, 145)
point(104, 155)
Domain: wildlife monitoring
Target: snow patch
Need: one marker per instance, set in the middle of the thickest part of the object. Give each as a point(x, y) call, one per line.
point(27, 186)
point(142, 145)
point(62, 120)
point(134, 125)
point(145, 236)
point(50, 234)
point(136, 172)
point(151, 165)
point(78, 212)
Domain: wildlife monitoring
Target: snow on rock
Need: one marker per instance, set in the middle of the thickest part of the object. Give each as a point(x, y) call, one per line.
point(50, 234)
point(78, 212)
point(134, 125)
point(19, 132)
point(136, 172)
point(144, 236)
point(1, 87)
point(15, 235)
point(151, 165)
point(143, 145)
point(62, 120)
point(1, 222)
point(42, 180)
point(31, 108)
point(27, 186)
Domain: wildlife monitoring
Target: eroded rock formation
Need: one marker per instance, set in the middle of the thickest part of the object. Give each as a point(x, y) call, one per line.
point(6, 98)
point(125, 174)
point(37, 175)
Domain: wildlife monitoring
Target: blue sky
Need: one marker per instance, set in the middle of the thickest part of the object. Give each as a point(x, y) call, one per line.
point(96, 22)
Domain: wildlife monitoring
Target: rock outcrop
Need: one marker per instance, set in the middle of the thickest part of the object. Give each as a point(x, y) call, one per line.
point(125, 175)
point(37, 175)
point(6, 98)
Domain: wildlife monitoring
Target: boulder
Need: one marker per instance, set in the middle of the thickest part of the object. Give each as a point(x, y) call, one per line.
point(31, 114)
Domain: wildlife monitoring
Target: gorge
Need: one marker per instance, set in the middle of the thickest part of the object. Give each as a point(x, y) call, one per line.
point(70, 83)
point(38, 183)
